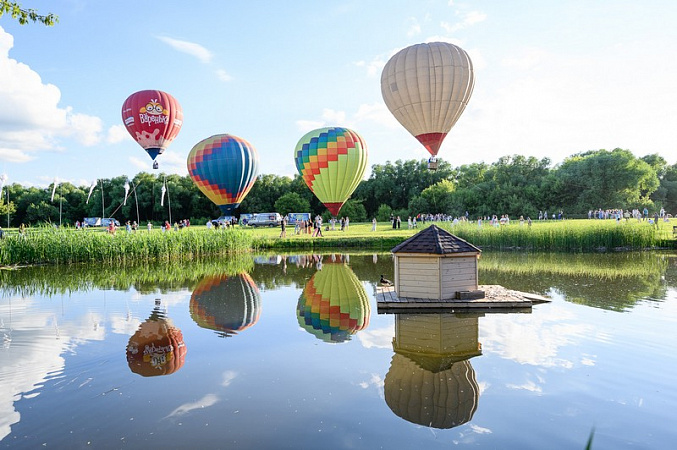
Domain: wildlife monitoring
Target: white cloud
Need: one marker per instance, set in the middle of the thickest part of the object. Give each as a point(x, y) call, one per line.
point(305, 126)
point(205, 402)
point(190, 48)
point(223, 75)
point(141, 164)
point(14, 155)
point(228, 377)
point(377, 338)
point(30, 118)
point(414, 27)
point(467, 19)
point(117, 133)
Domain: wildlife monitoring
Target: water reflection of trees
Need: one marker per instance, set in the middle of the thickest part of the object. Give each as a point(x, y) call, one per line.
point(614, 281)
point(145, 278)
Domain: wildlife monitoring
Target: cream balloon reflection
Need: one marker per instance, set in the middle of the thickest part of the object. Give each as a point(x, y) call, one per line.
point(157, 347)
point(226, 304)
point(333, 305)
point(431, 381)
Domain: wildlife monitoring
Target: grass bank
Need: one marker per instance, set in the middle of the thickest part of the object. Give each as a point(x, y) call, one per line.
point(62, 246)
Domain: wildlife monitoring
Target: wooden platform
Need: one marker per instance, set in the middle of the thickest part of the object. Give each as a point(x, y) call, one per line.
point(496, 299)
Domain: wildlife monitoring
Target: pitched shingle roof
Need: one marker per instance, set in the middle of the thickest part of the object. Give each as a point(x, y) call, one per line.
point(437, 241)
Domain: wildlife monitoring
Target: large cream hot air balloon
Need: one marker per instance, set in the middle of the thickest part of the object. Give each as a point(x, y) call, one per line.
point(427, 87)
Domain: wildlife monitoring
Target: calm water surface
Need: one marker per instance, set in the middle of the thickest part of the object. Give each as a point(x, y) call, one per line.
point(291, 352)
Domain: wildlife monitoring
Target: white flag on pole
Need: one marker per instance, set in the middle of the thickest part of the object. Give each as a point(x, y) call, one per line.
point(162, 199)
point(126, 192)
point(3, 180)
point(91, 188)
point(56, 181)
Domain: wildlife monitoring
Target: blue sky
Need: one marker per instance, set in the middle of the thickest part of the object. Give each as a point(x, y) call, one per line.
point(553, 78)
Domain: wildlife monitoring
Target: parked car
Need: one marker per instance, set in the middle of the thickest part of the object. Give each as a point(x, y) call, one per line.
point(265, 220)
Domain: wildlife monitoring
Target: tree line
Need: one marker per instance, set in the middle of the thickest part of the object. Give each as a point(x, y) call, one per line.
point(514, 185)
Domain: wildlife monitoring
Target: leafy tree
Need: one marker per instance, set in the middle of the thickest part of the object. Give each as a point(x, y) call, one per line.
point(42, 212)
point(605, 179)
point(291, 202)
point(418, 205)
point(355, 210)
point(438, 196)
point(24, 15)
point(384, 212)
point(6, 208)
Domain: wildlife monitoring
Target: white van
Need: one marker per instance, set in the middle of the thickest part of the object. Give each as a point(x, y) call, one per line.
point(265, 220)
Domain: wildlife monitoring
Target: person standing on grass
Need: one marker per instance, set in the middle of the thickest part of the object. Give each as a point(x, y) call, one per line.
point(373, 224)
point(283, 228)
point(318, 226)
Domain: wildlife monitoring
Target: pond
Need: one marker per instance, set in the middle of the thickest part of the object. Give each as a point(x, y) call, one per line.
point(290, 351)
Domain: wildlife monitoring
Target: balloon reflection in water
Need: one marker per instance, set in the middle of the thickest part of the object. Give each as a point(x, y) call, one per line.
point(333, 304)
point(157, 348)
point(226, 304)
point(430, 381)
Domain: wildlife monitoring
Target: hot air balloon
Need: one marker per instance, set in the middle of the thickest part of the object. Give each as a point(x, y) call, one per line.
point(157, 348)
point(333, 305)
point(431, 381)
point(224, 167)
point(427, 87)
point(153, 118)
point(332, 162)
point(226, 304)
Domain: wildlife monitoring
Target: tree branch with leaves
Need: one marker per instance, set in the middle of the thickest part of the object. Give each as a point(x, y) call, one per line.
point(24, 15)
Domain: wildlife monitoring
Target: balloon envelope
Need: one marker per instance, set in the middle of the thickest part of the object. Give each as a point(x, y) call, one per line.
point(333, 304)
point(153, 119)
point(226, 304)
point(157, 348)
point(224, 167)
point(427, 87)
point(332, 162)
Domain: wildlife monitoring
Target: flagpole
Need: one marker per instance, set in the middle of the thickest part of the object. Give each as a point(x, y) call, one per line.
point(103, 208)
point(60, 202)
point(169, 201)
point(138, 218)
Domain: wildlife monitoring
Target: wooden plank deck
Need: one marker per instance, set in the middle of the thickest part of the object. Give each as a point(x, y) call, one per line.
point(497, 299)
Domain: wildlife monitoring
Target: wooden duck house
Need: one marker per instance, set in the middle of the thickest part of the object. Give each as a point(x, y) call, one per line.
point(435, 265)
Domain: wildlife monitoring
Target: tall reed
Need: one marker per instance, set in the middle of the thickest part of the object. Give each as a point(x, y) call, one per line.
point(70, 246)
point(566, 236)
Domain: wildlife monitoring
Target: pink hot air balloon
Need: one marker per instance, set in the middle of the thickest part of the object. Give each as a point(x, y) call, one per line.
point(153, 119)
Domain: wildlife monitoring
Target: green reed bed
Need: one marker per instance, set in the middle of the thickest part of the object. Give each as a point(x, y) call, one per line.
point(563, 236)
point(70, 246)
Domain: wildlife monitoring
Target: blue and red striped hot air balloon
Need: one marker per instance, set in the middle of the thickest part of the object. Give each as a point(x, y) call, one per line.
point(224, 167)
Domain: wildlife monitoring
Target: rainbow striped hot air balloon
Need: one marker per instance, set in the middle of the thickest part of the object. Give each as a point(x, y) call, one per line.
point(224, 167)
point(332, 162)
point(333, 305)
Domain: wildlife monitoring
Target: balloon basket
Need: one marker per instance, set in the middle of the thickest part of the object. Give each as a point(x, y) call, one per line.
point(156, 165)
point(432, 164)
